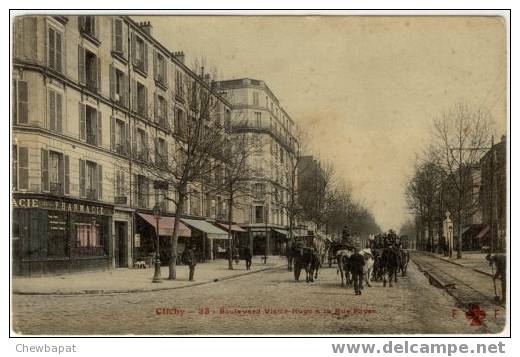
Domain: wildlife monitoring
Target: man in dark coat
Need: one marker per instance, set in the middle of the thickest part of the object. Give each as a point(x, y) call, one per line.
point(500, 262)
point(389, 262)
point(357, 262)
point(246, 252)
point(188, 258)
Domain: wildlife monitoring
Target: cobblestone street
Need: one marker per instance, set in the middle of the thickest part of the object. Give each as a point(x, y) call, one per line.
point(268, 302)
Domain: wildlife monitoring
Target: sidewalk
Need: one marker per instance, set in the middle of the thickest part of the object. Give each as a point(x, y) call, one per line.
point(127, 280)
point(473, 260)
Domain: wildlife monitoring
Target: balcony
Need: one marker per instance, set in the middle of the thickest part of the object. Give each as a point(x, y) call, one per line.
point(122, 149)
point(120, 200)
point(91, 194)
point(142, 200)
point(56, 188)
point(91, 139)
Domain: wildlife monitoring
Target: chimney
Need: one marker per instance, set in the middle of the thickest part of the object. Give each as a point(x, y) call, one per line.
point(146, 26)
point(179, 55)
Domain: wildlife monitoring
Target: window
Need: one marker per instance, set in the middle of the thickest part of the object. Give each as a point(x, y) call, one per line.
point(160, 110)
point(88, 235)
point(117, 38)
point(120, 137)
point(141, 99)
point(160, 69)
point(178, 84)
point(89, 69)
point(139, 53)
point(120, 188)
point(259, 191)
point(54, 46)
point(259, 214)
point(87, 26)
point(57, 234)
point(142, 142)
point(161, 153)
point(54, 172)
point(90, 180)
point(55, 111)
point(20, 102)
point(160, 194)
point(255, 99)
point(258, 118)
point(118, 86)
point(20, 168)
point(180, 123)
point(195, 203)
point(142, 191)
point(90, 125)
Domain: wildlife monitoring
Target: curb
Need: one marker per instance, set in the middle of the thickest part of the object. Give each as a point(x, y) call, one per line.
point(129, 291)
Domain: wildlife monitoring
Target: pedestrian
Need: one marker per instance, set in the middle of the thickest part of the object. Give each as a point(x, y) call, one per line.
point(499, 260)
point(357, 262)
point(247, 257)
point(188, 258)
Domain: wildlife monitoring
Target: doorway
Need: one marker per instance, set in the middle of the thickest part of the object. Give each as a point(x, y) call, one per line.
point(121, 246)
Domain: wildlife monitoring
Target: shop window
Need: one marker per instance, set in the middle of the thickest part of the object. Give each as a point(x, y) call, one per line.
point(57, 234)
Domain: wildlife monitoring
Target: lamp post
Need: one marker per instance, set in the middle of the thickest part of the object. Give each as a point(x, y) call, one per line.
point(157, 273)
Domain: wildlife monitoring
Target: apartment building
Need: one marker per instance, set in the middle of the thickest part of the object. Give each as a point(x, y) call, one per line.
point(92, 96)
point(257, 111)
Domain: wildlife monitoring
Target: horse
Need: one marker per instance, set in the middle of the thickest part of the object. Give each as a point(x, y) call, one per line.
point(369, 265)
point(389, 260)
point(342, 258)
point(310, 262)
point(404, 258)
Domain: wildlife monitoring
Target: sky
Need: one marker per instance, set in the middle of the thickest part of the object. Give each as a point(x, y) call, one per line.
point(365, 88)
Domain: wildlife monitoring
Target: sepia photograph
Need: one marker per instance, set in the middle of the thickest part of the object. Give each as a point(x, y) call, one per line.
point(259, 174)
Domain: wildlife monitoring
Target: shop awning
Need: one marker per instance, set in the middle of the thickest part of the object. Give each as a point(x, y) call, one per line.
point(166, 225)
point(483, 232)
point(281, 231)
point(234, 227)
point(212, 231)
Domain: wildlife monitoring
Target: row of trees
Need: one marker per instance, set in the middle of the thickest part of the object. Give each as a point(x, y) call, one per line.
point(446, 172)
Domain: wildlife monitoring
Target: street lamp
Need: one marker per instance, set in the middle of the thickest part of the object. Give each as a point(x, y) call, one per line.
point(157, 274)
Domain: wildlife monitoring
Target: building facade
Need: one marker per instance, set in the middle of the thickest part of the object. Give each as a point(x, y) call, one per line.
point(257, 112)
point(92, 96)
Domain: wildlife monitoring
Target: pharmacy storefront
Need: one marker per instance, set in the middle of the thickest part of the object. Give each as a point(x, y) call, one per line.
point(59, 235)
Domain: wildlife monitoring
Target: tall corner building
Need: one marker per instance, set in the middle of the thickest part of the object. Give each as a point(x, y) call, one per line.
point(88, 94)
point(256, 110)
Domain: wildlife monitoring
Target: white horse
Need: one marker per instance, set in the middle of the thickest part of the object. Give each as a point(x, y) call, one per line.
point(369, 264)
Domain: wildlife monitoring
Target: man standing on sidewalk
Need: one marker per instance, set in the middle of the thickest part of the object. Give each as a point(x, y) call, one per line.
point(188, 258)
point(499, 260)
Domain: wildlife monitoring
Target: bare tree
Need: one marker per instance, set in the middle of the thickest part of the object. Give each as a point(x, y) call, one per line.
point(234, 183)
point(201, 130)
point(462, 132)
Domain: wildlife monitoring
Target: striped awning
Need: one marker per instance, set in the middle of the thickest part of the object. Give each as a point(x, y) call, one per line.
point(212, 231)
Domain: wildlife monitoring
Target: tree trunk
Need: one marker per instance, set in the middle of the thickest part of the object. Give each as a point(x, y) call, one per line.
point(230, 236)
point(175, 238)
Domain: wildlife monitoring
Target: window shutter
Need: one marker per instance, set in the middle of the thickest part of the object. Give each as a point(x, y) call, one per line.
point(156, 107)
point(100, 181)
point(134, 95)
point(15, 101)
point(146, 146)
point(66, 180)
point(127, 138)
point(136, 189)
point(98, 84)
point(81, 23)
point(52, 110)
point(155, 71)
point(23, 102)
point(52, 48)
point(81, 65)
point(97, 26)
point(124, 91)
point(45, 169)
point(146, 102)
point(59, 113)
point(23, 168)
point(82, 122)
point(15, 167)
point(134, 143)
point(113, 133)
point(122, 182)
point(112, 76)
point(145, 45)
point(99, 129)
point(124, 38)
point(132, 45)
point(81, 178)
point(58, 52)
